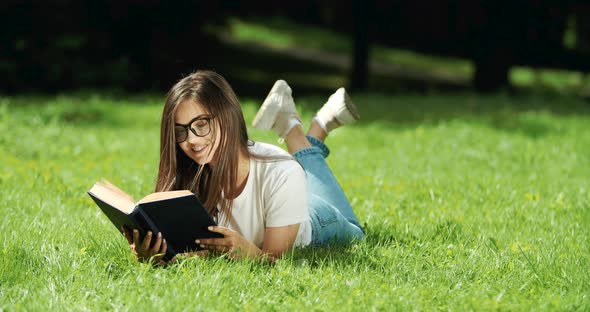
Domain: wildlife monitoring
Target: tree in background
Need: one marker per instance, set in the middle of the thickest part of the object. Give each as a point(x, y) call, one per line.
point(148, 44)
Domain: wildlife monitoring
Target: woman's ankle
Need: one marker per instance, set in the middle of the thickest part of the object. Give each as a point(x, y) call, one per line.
point(317, 131)
point(296, 139)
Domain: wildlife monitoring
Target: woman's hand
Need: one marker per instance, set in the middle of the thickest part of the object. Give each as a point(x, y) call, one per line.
point(142, 249)
point(232, 243)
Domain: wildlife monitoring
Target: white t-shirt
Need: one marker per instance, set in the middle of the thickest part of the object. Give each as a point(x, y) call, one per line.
point(275, 195)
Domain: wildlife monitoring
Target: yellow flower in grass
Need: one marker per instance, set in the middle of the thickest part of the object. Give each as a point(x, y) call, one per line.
point(532, 196)
point(517, 246)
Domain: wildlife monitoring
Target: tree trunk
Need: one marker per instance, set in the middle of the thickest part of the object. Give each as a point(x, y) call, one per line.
point(492, 68)
point(359, 74)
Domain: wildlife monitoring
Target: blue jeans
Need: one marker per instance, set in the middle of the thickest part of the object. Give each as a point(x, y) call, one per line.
point(332, 218)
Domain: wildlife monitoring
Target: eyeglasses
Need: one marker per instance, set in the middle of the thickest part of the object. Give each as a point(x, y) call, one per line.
point(199, 126)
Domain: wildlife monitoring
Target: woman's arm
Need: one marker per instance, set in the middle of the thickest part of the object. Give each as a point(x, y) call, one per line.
point(277, 240)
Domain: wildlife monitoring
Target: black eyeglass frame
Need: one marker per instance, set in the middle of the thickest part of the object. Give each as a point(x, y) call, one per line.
point(188, 127)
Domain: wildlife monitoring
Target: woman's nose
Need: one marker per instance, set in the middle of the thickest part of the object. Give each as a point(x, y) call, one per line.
point(191, 137)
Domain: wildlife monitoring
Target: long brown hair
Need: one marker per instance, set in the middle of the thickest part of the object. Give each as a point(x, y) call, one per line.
point(177, 171)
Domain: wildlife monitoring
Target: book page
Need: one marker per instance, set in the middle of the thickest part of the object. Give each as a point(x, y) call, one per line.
point(113, 196)
point(164, 195)
point(110, 186)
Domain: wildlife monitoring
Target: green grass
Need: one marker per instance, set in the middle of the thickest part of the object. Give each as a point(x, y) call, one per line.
point(470, 203)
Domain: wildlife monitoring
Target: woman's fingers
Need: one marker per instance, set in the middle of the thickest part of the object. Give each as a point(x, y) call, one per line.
point(164, 247)
point(157, 244)
point(216, 244)
point(145, 250)
point(213, 241)
point(127, 234)
point(136, 240)
point(145, 245)
point(220, 229)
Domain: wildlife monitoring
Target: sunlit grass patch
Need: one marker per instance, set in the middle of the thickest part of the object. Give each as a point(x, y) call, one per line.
point(469, 203)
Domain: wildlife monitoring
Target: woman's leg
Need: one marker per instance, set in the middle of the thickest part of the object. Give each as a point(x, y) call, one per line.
point(278, 113)
point(332, 218)
point(316, 131)
point(329, 225)
point(296, 140)
point(310, 153)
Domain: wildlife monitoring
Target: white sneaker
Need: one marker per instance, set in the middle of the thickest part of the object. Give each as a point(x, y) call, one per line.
point(338, 111)
point(277, 110)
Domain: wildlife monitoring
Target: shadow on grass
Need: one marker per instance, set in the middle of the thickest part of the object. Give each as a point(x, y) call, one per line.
point(385, 245)
point(363, 253)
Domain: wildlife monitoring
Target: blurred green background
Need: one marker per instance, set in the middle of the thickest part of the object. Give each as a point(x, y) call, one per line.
point(375, 45)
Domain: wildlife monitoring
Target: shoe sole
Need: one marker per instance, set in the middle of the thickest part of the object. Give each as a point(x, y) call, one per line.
point(271, 111)
point(350, 106)
point(266, 117)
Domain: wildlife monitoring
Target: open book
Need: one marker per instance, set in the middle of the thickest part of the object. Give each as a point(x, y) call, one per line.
point(178, 215)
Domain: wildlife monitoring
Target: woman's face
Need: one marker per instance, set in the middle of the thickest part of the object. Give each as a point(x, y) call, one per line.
point(201, 149)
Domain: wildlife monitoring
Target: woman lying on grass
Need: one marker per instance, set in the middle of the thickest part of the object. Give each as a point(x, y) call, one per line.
point(267, 200)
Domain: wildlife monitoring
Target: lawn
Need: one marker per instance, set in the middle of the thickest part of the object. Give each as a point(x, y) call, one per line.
point(469, 202)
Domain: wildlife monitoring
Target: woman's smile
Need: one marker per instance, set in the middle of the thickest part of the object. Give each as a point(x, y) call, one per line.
point(199, 149)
